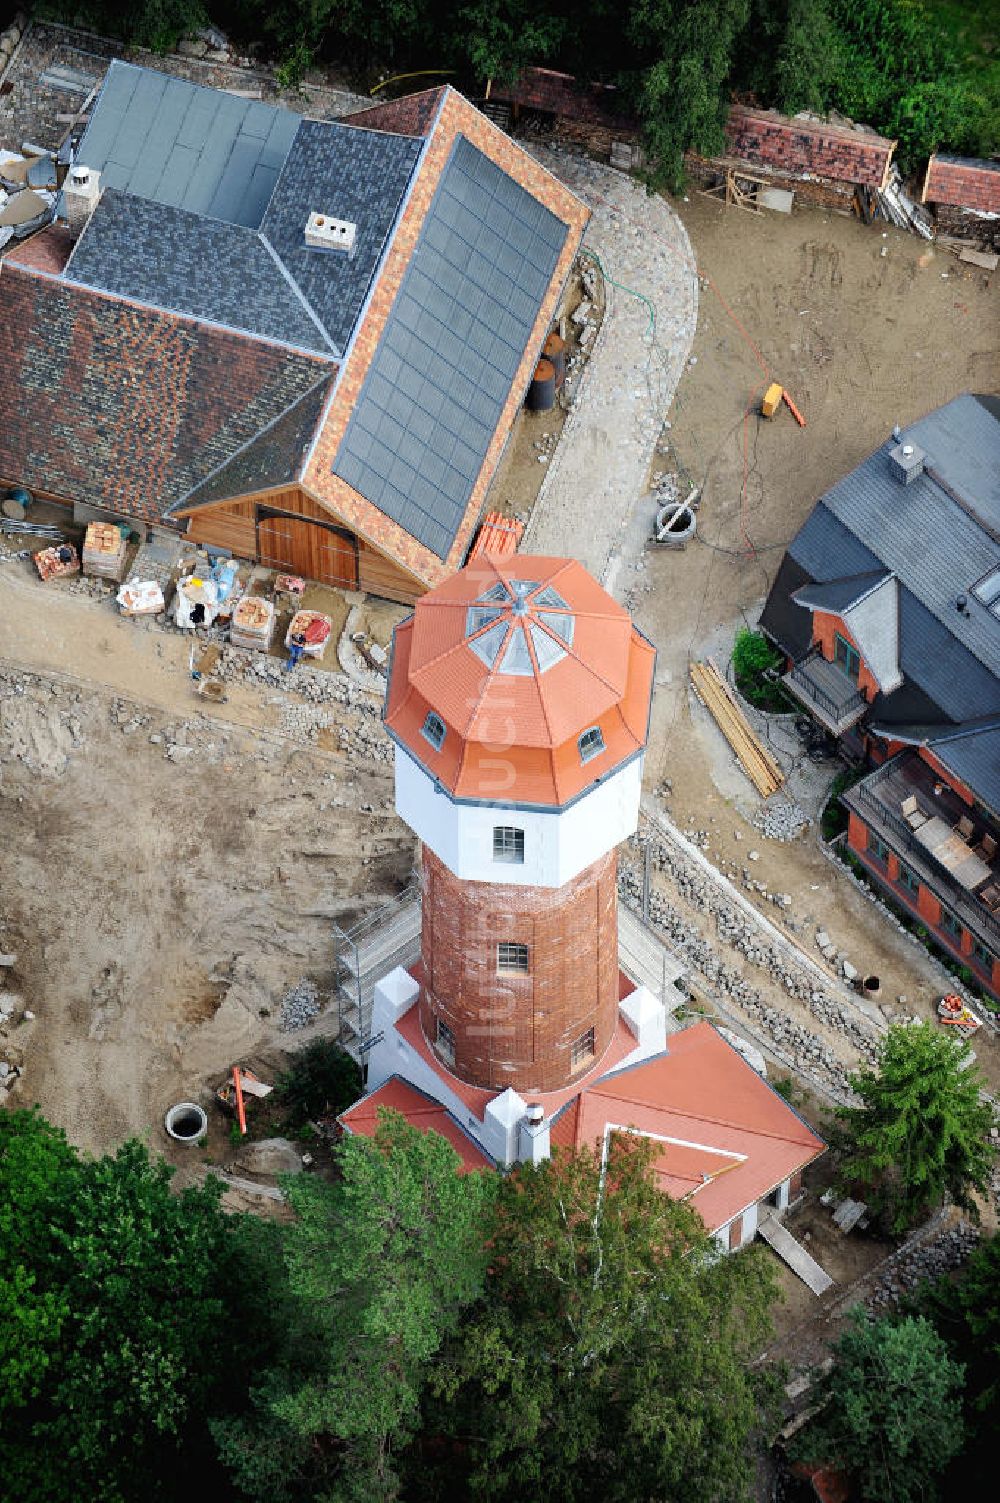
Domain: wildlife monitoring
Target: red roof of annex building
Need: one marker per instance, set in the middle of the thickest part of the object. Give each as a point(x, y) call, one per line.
point(727, 1138)
point(422, 1112)
point(518, 657)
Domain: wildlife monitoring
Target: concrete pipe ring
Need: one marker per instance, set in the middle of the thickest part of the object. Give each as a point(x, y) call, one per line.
point(675, 522)
point(186, 1123)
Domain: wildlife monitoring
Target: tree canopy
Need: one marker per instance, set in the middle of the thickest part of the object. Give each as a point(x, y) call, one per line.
point(120, 1302)
point(890, 1413)
point(921, 1130)
point(609, 1356)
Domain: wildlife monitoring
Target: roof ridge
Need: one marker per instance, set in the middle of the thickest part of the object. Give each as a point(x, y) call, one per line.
point(174, 505)
point(297, 291)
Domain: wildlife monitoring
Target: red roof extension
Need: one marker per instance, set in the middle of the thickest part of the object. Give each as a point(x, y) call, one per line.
point(421, 1111)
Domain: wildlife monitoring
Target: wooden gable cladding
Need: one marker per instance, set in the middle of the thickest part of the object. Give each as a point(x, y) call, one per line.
point(289, 529)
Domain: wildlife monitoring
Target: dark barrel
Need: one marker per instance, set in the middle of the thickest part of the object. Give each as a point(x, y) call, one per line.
point(542, 391)
point(554, 350)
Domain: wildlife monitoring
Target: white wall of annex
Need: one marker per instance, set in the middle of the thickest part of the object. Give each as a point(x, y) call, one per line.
point(557, 846)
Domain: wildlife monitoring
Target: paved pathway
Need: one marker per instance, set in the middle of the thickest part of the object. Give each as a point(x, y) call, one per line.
point(600, 468)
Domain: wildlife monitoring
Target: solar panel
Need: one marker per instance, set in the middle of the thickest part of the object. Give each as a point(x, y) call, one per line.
point(486, 247)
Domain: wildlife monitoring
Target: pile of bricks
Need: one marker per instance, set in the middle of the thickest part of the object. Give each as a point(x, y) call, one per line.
point(838, 153)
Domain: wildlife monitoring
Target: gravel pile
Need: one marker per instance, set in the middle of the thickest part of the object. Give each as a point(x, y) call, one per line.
point(299, 1006)
point(780, 821)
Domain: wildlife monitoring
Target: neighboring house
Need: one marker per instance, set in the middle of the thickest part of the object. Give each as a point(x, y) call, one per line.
point(887, 605)
point(305, 341)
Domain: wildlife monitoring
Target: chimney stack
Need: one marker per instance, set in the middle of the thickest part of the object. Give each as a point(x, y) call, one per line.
point(81, 191)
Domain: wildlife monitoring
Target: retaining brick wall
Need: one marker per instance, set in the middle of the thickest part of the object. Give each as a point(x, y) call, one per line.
point(837, 152)
point(519, 1030)
point(963, 182)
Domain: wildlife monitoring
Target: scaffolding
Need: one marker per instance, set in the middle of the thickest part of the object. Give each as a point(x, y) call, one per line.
point(387, 937)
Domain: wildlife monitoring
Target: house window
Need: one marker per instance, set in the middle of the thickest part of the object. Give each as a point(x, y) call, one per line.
point(508, 844)
point(445, 1042)
point(846, 657)
point(908, 879)
point(591, 744)
point(877, 848)
point(512, 958)
point(982, 957)
point(582, 1050)
point(950, 925)
point(433, 730)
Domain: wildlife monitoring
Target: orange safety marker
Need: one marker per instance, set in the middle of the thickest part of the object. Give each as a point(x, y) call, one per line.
point(240, 1109)
point(796, 414)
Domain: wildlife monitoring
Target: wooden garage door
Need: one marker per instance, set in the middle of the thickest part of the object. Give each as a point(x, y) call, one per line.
point(307, 548)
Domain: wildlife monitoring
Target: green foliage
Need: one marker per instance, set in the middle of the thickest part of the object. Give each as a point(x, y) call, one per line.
point(120, 1304)
point(157, 24)
point(921, 1131)
point(380, 1264)
point(609, 1357)
point(321, 1080)
point(965, 1311)
point(502, 37)
point(754, 659)
point(833, 820)
point(891, 1416)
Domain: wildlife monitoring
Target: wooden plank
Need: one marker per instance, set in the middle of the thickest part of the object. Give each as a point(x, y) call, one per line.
point(986, 259)
point(718, 699)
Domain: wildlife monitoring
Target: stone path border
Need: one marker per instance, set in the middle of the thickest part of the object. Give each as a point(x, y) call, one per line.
point(600, 469)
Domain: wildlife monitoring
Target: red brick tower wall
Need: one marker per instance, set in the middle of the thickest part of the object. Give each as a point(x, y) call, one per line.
point(519, 1030)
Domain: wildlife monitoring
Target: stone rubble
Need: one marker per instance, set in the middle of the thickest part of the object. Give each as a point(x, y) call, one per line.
point(930, 1259)
point(299, 1006)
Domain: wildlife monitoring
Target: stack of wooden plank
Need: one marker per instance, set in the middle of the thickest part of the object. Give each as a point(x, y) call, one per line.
point(719, 700)
point(104, 551)
point(252, 625)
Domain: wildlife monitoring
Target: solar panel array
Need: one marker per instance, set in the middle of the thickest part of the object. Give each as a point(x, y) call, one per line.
point(434, 393)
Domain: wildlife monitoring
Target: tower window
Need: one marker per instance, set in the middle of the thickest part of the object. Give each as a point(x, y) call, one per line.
point(433, 730)
point(445, 1041)
point(582, 1051)
point(508, 844)
point(512, 958)
point(591, 744)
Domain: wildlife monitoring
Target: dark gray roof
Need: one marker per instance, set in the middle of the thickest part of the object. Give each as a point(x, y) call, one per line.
point(920, 532)
point(346, 173)
point(273, 457)
point(457, 332)
point(839, 594)
point(940, 664)
point(173, 259)
point(962, 444)
point(185, 146)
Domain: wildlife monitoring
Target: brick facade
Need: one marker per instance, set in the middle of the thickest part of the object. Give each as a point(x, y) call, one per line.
point(519, 1030)
point(826, 629)
point(838, 152)
point(964, 183)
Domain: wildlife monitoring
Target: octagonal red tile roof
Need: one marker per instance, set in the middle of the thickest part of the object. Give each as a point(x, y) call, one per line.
point(518, 657)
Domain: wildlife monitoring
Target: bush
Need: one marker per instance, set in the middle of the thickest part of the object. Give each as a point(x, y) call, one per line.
point(322, 1080)
point(754, 659)
point(833, 820)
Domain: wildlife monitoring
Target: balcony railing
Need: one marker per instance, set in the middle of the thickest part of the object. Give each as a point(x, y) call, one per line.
point(837, 711)
point(978, 919)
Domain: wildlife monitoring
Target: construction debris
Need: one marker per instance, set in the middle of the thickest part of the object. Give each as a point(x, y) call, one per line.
point(897, 206)
point(57, 562)
point(715, 694)
point(140, 597)
point(299, 1006)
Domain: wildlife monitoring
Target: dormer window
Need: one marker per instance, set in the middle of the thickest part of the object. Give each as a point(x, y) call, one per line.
point(591, 744)
point(433, 730)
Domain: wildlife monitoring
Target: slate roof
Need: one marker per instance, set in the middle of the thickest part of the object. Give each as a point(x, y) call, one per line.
point(347, 173)
point(185, 263)
point(108, 403)
point(186, 146)
point(839, 594)
point(938, 536)
point(271, 458)
point(451, 347)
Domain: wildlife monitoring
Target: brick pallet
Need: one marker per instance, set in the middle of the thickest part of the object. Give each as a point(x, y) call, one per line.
point(252, 624)
point(104, 551)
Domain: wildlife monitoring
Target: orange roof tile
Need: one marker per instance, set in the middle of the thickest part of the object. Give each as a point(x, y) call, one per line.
point(727, 1139)
point(421, 1111)
point(518, 656)
point(497, 534)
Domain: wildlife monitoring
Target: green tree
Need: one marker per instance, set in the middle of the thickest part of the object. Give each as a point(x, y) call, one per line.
point(502, 37)
point(119, 1308)
point(685, 49)
point(322, 1079)
point(157, 24)
point(921, 1131)
point(381, 1262)
point(891, 1415)
point(609, 1357)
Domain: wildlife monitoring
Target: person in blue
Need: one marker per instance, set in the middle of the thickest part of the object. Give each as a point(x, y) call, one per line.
point(296, 648)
